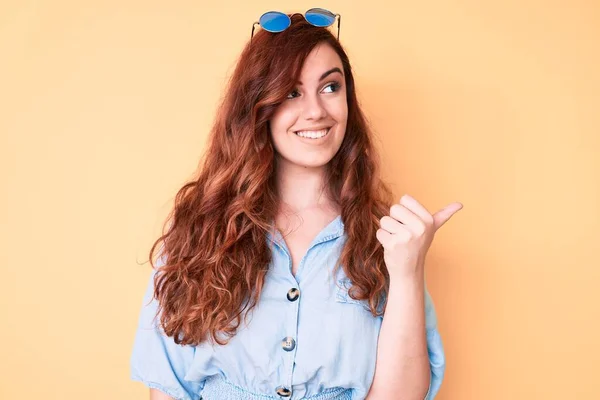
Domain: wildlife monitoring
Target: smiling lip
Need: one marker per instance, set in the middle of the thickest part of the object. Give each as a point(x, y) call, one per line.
point(314, 140)
point(327, 128)
point(320, 128)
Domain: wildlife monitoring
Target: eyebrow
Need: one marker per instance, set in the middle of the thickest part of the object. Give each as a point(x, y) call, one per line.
point(325, 74)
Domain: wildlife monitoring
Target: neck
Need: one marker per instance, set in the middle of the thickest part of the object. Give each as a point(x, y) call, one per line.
point(301, 188)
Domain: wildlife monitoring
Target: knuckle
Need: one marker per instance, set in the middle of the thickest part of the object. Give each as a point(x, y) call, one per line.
point(403, 237)
point(421, 229)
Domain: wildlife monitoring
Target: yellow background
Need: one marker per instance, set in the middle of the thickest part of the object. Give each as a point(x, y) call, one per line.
point(105, 108)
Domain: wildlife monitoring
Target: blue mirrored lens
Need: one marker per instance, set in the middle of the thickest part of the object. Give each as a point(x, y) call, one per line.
point(319, 17)
point(274, 21)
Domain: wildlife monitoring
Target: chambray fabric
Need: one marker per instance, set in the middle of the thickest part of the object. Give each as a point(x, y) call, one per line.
point(335, 338)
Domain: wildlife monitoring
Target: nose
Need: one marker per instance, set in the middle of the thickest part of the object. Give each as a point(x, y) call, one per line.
point(313, 109)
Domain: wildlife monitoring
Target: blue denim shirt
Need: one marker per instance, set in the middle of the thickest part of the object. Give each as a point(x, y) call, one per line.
point(306, 338)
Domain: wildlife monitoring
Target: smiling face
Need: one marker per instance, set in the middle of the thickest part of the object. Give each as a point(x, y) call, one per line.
point(317, 106)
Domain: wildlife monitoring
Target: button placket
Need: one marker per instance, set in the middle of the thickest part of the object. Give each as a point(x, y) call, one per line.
point(288, 343)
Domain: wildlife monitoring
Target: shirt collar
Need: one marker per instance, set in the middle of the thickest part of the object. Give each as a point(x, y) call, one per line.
point(334, 229)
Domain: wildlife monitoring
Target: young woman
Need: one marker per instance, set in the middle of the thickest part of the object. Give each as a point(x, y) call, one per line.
point(280, 259)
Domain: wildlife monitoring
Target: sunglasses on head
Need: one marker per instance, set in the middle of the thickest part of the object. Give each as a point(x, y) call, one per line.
point(276, 21)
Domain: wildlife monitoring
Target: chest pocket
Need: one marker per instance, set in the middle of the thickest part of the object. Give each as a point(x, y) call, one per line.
point(342, 295)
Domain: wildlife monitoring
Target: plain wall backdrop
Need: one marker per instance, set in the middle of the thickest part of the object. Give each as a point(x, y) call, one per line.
point(105, 108)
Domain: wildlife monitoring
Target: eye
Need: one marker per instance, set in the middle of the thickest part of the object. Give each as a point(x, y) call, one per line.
point(335, 86)
point(290, 95)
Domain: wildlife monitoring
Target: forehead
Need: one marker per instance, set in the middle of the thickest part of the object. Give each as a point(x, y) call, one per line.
point(322, 58)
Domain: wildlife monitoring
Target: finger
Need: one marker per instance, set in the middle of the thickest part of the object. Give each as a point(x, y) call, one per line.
point(442, 216)
point(384, 237)
point(392, 225)
point(417, 208)
point(405, 216)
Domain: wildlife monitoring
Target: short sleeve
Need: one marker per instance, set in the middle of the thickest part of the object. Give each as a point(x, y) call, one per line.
point(156, 360)
point(437, 360)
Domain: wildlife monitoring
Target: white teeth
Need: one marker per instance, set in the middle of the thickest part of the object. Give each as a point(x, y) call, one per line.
point(313, 134)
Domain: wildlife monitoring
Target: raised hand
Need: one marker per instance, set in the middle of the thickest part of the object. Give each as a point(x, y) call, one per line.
point(406, 235)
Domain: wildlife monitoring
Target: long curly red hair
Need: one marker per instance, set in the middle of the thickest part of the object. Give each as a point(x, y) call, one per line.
point(214, 253)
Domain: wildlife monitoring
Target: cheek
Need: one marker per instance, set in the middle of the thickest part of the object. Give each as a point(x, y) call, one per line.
point(339, 111)
point(282, 120)
point(342, 121)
